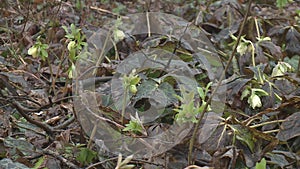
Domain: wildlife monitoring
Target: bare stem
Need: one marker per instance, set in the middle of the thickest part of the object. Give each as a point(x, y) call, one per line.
point(124, 104)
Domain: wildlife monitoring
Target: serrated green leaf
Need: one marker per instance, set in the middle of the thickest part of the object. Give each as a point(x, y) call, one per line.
point(135, 125)
point(262, 164)
point(86, 156)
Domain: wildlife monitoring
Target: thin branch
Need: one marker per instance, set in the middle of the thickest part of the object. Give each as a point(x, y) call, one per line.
point(178, 45)
point(23, 111)
point(192, 140)
point(65, 123)
point(101, 162)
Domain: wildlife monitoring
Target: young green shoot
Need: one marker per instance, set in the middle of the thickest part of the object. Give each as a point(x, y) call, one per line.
point(129, 84)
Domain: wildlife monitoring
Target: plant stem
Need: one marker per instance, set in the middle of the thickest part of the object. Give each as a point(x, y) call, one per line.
point(59, 66)
point(253, 54)
point(256, 26)
point(103, 50)
point(266, 123)
point(51, 74)
point(93, 133)
point(124, 104)
point(192, 140)
point(298, 69)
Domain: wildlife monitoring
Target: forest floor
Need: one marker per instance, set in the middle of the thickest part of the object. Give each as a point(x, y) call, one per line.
point(139, 84)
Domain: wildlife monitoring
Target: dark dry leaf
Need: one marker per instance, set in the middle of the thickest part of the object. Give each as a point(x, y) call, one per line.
point(288, 155)
point(17, 79)
point(278, 159)
point(293, 42)
point(274, 50)
point(211, 122)
point(290, 128)
point(260, 56)
point(226, 32)
point(225, 157)
point(7, 163)
point(20, 147)
point(217, 140)
point(5, 128)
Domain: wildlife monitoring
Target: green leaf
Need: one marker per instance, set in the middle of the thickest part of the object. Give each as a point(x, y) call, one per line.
point(86, 156)
point(187, 111)
point(260, 39)
point(44, 46)
point(244, 135)
point(201, 93)
point(134, 126)
point(281, 3)
point(207, 88)
point(135, 80)
point(262, 164)
point(39, 163)
point(44, 54)
point(245, 93)
point(259, 92)
point(281, 68)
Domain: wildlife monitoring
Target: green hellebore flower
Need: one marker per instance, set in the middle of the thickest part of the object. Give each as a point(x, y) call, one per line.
point(33, 51)
point(71, 45)
point(118, 35)
point(254, 101)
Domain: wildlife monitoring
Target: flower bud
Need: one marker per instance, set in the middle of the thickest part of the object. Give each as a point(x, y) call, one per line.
point(133, 89)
